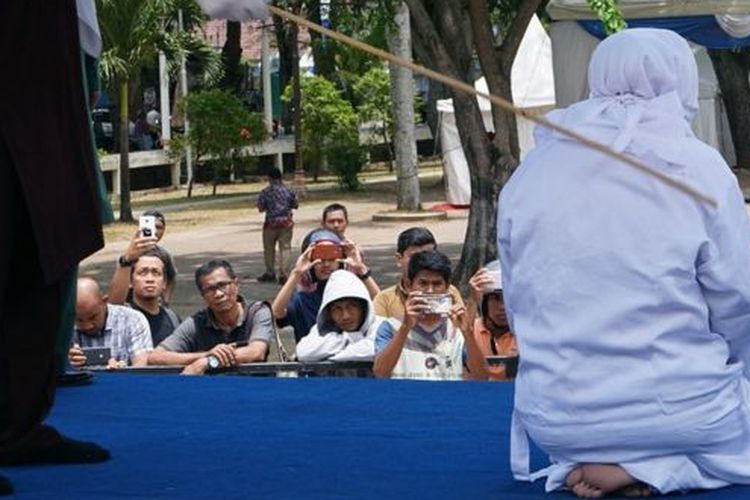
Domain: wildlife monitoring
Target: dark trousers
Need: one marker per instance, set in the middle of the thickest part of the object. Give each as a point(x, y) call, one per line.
point(29, 319)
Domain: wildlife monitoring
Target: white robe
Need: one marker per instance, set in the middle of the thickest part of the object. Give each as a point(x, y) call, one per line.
point(630, 299)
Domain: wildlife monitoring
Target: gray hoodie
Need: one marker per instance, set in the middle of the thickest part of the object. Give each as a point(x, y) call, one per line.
point(327, 342)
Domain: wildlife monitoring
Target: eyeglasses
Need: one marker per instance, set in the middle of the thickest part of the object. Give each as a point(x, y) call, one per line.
point(211, 290)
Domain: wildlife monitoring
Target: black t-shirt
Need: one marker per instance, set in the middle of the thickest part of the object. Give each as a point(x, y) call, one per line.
point(162, 324)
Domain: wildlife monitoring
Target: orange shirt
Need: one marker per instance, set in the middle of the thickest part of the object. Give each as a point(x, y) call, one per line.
point(504, 345)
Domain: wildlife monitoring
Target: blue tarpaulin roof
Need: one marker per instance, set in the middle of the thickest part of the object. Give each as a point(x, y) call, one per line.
point(703, 30)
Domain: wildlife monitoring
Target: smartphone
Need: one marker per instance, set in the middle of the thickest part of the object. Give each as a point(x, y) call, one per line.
point(327, 251)
point(438, 303)
point(510, 363)
point(96, 356)
point(147, 225)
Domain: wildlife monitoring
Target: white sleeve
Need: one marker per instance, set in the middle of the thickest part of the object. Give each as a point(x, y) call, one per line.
point(361, 350)
point(724, 274)
point(140, 338)
point(316, 347)
point(235, 10)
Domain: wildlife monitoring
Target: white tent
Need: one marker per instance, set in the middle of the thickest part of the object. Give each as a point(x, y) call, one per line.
point(572, 47)
point(533, 88)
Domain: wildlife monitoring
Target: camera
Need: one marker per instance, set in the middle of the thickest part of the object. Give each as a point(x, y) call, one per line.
point(438, 303)
point(147, 225)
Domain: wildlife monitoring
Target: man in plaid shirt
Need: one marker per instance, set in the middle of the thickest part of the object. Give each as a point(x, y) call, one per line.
point(277, 201)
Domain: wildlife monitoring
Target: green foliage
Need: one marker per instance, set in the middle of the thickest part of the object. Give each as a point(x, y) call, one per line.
point(220, 127)
point(372, 91)
point(346, 158)
point(133, 31)
point(329, 122)
point(610, 15)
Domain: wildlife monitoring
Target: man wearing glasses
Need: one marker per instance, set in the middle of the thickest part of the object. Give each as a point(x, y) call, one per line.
point(228, 332)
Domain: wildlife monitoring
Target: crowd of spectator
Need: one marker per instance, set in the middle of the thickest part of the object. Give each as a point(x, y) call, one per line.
point(420, 327)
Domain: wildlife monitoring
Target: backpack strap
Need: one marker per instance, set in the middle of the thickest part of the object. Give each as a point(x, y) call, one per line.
point(254, 308)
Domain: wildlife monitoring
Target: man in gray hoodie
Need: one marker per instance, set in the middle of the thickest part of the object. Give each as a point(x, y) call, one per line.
point(346, 323)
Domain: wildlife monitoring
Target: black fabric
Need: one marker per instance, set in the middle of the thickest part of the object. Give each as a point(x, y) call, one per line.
point(46, 130)
point(162, 324)
point(29, 318)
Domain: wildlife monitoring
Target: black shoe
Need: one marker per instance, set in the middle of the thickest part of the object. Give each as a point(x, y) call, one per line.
point(66, 451)
point(267, 278)
point(5, 487)
point(282, 279)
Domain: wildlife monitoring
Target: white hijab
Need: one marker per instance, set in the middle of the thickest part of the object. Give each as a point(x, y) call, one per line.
point(644, 93)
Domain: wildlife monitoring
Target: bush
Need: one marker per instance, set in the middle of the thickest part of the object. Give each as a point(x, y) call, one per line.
point(346, 158)
point(220, 127)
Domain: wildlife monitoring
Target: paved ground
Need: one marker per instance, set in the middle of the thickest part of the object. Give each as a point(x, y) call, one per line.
point(238, 239)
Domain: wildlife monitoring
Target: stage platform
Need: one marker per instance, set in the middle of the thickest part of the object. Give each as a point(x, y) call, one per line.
point(278, 438)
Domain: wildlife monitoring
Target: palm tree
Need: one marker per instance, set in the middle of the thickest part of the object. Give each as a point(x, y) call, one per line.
point(133, 31)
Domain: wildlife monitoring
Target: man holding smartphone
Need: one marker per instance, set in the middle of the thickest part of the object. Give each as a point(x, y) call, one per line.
point(299, 300)
point(429, 344)
point(124, 331)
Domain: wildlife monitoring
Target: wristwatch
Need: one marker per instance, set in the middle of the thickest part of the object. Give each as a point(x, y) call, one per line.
point(213, 362)
point(125, 263)
point(366, 274)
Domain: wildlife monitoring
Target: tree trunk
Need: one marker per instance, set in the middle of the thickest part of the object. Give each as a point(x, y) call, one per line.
point(732, 74)
point(402, 98)
point(126, 212)
point(299, 167)
point(231, 55)
point(286, 42)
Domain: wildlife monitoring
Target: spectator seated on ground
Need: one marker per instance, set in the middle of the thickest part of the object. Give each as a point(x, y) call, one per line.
point(228, 332)
point(390, 303)
point(346, 326)
point(298, 302)
point(100, 324)
point(119, 287)
point(147, 283)
point(432, 341)
point(491, 330)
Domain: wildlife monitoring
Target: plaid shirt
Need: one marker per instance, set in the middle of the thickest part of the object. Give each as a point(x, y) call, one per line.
point(126, 333)
point(277, 201)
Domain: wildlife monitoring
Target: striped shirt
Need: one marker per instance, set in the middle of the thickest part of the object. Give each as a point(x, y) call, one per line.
point(126, 333)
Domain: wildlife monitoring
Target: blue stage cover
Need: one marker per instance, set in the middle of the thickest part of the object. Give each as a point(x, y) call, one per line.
point(246, 437)
point(703, 30)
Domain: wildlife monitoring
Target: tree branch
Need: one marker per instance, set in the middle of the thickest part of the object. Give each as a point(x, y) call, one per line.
point(512, 40)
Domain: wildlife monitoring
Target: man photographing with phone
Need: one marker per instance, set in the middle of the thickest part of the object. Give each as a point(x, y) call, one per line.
point(435, 336)
point(299, 300)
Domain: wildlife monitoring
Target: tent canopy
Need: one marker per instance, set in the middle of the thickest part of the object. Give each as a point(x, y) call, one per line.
point(715, 24)
point(533, 87)
point(635, 9)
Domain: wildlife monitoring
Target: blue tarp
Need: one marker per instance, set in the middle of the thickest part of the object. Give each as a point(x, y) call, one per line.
point(703, 30)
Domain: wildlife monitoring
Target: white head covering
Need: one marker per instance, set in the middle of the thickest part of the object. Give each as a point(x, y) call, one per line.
point(644, 93)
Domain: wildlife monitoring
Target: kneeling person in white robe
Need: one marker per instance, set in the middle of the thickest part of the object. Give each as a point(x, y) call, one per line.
point(630, 299)
point(346, 323)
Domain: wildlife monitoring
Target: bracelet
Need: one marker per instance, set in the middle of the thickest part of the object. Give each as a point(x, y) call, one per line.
point(365, 275)
point(125, 263)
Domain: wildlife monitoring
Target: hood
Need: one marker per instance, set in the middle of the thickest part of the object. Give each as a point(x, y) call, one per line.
point(344, 284)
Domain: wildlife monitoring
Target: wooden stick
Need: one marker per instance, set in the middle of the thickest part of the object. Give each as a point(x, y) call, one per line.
point(499, 101)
